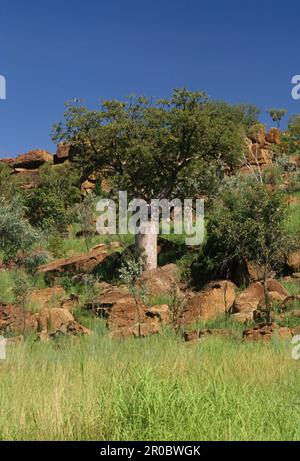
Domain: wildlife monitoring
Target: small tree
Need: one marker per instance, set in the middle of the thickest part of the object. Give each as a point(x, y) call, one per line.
point(291, 137)
point(276, 115)
point(15, 231)
point(85, 217)
point(130, 274)
point(48, 205)
point(248, 222)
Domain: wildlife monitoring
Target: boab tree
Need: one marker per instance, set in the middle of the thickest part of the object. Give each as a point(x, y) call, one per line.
point(156, 148)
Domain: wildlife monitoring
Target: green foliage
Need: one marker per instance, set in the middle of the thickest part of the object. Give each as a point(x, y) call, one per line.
point(6, 286)
point(88, 285)
point(272, 175)
point(249, 114)
point(294, 127)
point(55, 244)
point(185, 266)
point(16, 234)
point(130, 273)
point(149, 147)
point(8, 182)
point(22, 287)
point(277, 114)
point(155, 389)
point(33, 260)
point(47, 211)
point(292, 221)
point(49, 204)
point(291, 138)
point(85, 213)
point(247, 221)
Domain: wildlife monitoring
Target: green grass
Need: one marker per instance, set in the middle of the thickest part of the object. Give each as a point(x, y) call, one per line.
point(293, 220)
point(155, 389)
point(6, 286)
point(293, 287)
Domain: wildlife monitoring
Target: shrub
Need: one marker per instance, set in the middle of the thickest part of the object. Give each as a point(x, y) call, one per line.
point(49, 205)
point(15, 231)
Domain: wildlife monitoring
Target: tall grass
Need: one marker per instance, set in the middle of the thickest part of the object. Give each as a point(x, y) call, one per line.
point(292, 224)
point(6, 286)
point(154, 389)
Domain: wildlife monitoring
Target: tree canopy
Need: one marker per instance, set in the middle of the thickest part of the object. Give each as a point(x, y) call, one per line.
point(154, 148)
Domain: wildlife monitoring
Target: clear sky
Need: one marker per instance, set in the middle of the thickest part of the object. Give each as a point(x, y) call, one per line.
point(54, 51)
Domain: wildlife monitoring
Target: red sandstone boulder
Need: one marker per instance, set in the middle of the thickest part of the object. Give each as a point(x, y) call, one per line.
point(260, 156)
point(266, 333)
point(195, 335)
point(126, 316)
point(47, 297)
point(293, 260)
point(162, 312)
point(257, 134)
point(56, 321)
point(216, 298)
point(14, 319)
point(161, 280)
point(33, 159)
point(62, 153)
point(274, 136)
point(253, 297)
point(137, 331)
point(27, 178)
point(80, 263)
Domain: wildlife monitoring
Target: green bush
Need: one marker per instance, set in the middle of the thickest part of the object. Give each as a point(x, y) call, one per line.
point(16, 233)
point(49, 205)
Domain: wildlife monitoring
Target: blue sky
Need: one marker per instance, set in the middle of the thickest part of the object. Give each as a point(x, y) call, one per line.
point(53, 51)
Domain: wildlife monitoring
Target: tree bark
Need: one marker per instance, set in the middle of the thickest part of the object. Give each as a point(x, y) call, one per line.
point(146, 243)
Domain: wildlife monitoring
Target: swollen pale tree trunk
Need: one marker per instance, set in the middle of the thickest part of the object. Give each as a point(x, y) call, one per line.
point(146, 243)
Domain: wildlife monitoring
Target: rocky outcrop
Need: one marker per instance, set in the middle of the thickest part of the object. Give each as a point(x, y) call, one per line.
point(129, 318)
point(27, 178)
point(137, 331)
point(293, 261)
point(47, 297)
point(54, 322)
point(62, 153)
point(32, 159)
point(52, 297)
point(257, 134)
point(84, 263)
point(242, 273)
point(266, 333)
point(160, 281)
point(102, 304)
point(7, 161)
point(216, 298)
point(253, 297)
point(259, 155)
point(195, 335)
point(126, 316)
point(125, 311)
point(15, 320)
point(162, 312)
point(47, 323)
point(274, 136)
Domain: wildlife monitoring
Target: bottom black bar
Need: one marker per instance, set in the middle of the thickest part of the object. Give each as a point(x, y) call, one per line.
point(133, 450)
